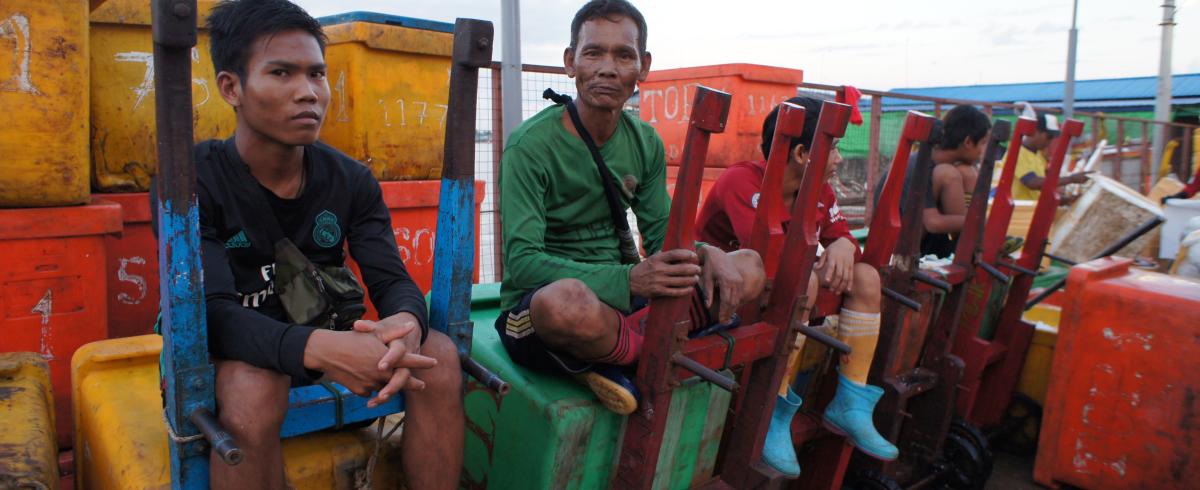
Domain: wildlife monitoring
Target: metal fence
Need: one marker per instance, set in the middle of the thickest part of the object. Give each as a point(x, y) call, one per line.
point(488, 147)
point(868, 148)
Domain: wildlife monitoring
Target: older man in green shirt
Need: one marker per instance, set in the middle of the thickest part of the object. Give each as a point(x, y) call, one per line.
point(569, 302)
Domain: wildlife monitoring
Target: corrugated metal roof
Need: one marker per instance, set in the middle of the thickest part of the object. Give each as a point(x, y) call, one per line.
point(1135, 90)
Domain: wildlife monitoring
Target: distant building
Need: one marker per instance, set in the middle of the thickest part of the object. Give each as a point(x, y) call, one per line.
point(1125, 97)
point(1129, 97)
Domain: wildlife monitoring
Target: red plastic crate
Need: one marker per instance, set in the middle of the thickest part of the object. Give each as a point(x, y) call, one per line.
point(132, 269)
point(53, 289)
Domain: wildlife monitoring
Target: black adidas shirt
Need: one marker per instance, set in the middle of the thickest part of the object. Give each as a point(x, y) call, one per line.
point(341, 202)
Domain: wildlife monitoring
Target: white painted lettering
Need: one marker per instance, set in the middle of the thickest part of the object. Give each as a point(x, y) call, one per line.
point(138, 281)
point(16, 28)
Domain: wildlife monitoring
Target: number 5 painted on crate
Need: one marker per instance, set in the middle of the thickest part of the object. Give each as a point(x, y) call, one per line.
point(138, 281)
point(16, 28)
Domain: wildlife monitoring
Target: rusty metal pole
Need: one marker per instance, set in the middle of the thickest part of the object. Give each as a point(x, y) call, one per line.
point(188, 376)
point(937, 110)
point(873, 157)
point(497, 155)
point(454, 259)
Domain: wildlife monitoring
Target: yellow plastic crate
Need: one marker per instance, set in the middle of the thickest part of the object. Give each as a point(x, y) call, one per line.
point(122, 95)
point(389, 78)
point(122, 440)
point(28, 456)
point(43, 93)
point(1035, 374)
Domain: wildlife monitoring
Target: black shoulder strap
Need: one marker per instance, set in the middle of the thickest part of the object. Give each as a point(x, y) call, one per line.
point(629, 253)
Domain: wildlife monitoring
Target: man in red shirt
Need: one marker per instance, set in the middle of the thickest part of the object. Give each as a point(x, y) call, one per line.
point(725, 221)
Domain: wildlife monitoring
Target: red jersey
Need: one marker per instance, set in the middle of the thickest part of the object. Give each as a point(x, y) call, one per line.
point(727, 217)
point(1194, 187)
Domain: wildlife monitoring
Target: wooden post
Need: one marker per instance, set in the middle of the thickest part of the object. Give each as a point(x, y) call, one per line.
point(1185, 158)
point(1120, 147)
point(937, 110)
point(987, 109)
point(1149, 171)
point(873, 157)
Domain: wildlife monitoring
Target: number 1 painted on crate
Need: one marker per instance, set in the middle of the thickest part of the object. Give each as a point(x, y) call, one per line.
point(16, 27)
point(340, 87)
point(46, 308)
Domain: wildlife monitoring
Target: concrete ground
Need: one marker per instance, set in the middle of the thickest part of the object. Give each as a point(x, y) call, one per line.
point(1012, 472)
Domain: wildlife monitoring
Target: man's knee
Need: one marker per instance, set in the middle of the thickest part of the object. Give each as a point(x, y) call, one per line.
point(447, 375)
point(251, 401)
point(814, 289)
point(566, 308)
point(866, 280)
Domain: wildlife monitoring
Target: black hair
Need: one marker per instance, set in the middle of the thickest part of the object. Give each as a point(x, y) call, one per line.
point(812, 111)
point(611, 10)
point(961, 123)
point(234, 26)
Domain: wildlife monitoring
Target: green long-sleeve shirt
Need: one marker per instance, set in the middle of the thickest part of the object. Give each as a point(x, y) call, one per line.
point(556, 220)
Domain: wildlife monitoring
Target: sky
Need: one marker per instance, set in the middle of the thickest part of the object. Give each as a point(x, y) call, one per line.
point(875, 44)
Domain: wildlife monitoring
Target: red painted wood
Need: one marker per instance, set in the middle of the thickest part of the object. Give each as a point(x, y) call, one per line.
point(740, 466)
point(668, 323)
point(996, 389)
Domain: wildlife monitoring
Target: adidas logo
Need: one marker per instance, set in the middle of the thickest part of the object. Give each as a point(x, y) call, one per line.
point(238, 241)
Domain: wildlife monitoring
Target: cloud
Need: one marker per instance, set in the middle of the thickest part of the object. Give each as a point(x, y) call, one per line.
point(1050, 28)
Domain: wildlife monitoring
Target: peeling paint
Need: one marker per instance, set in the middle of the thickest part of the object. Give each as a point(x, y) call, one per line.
point(46, 308)
point(1132, 338)
point(1118, 466)
point(1087, 409)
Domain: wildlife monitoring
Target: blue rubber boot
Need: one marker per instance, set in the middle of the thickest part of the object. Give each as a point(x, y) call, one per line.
point(778, 450)
point(850, 414)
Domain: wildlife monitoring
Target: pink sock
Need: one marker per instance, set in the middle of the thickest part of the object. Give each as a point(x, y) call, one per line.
point(629, 342)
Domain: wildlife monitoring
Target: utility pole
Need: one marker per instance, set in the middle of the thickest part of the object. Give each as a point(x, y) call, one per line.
point(1162, 101)
point(1069, 87)
point(510, 66)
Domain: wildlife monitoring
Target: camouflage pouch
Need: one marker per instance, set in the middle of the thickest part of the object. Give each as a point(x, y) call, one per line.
point(325, 297)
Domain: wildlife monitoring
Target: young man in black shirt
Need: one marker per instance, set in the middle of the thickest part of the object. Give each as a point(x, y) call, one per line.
point(269, 59)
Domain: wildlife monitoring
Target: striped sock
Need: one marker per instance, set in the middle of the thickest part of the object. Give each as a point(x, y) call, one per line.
point(628, 348)
point(861, 332)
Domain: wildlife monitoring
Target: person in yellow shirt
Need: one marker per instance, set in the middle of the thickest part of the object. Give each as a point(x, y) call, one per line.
point(1032, 163)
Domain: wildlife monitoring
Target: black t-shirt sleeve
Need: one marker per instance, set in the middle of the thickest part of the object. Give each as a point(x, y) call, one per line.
point(373, 246)
point(236, 332)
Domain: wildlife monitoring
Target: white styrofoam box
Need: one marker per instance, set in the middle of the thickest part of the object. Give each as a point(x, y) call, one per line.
point(1178, 212)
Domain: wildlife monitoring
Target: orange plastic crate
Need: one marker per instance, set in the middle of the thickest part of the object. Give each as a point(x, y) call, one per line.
point(1121, 408)
point(666, 99)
